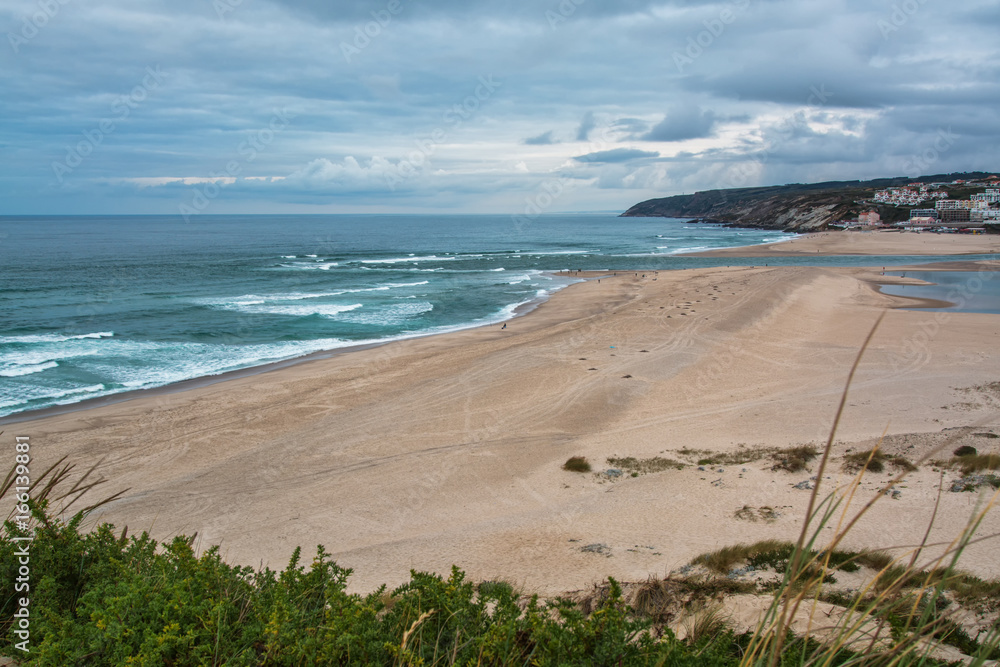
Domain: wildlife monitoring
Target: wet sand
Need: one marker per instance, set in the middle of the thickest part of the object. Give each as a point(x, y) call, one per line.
point(868, 243)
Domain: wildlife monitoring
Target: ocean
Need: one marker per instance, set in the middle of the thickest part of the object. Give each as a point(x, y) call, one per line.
point(94, 306)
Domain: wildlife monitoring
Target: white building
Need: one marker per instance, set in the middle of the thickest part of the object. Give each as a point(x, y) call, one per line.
point(991, 196)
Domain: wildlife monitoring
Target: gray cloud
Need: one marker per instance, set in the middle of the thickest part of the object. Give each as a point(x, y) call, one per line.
point(683, 122)
point(797, 91)
point(543, 139)
point(587, 125)
point(616, 155)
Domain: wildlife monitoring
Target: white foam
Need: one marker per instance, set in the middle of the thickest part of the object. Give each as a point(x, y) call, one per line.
point(17, 370)
point(241, 302)
point(422, 282)
point(94, 388)
point(52, 394)
point(563, 252)
point(43, 355)
point(325, 310)
point(397, 260)
point(390, 314)
point(53, 338)
point(310, 266)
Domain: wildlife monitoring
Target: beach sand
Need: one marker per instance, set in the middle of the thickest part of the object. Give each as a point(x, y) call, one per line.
point(868, 243)
point(445, 450)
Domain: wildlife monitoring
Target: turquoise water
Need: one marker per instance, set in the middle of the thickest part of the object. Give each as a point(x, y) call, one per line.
point(93, 306)
point(967, 291)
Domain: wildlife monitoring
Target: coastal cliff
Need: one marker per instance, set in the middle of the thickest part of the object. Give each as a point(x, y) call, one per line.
point(797, 207)
point(751, 208)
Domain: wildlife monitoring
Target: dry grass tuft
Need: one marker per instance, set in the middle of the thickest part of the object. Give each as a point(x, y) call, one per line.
point(704, 624)
point(875, 460)
point(971, 463)
point(723, 560)
point(793, 459)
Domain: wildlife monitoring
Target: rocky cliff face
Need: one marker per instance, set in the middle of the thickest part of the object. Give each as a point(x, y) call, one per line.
point(753, 208)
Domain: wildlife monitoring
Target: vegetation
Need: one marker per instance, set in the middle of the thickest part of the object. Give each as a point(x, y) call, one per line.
point(635, 466)
point(875, 460)
point(791, 459)
point(106, 598)
point(971, 463)
point(764, 513)
point(577, 464)
point(766, 552)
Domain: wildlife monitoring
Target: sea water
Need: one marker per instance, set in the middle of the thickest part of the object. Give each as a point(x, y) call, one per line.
point(94, 306)
point(965, 291)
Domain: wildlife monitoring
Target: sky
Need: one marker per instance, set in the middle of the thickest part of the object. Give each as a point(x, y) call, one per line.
point(525, 107)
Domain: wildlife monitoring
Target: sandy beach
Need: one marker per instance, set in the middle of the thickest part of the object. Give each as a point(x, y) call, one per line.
point(868, 243)
point(448, 449)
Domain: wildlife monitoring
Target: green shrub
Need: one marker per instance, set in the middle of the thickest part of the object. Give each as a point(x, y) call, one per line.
point(100, 598)
point(577, 464)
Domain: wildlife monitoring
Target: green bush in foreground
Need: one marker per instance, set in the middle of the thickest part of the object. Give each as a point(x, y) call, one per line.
point(98, 598)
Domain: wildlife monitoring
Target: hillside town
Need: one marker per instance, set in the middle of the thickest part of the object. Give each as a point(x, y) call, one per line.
point(931, 209)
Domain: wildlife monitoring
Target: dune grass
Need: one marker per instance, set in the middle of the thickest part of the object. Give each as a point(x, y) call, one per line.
point(630, 464)
point(972, 463)
point(789, 459)
point(875, 460)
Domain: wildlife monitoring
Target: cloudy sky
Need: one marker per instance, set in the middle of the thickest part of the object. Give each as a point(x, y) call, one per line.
point(234, 106)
